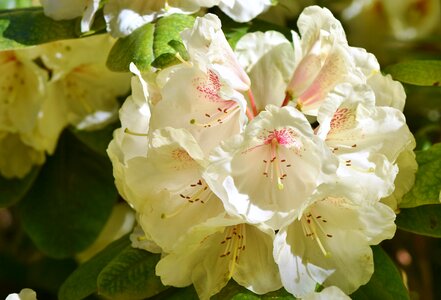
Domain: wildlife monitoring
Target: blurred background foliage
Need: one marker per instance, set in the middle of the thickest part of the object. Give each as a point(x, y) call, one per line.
point(394, 30)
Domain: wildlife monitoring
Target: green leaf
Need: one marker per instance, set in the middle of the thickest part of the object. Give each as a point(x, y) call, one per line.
point(83, 281)
point(417, 72)
point(234, 291)
point(428, 179)
point(131, 276)
point(167, 39)
point(136, 48)
point(13, 190)
point(188, 293)
point(97, 140)
point(153, 43)
point(26, 27)
point(424, 220)
point(8, 4)
point(385, 283)
point(71, 200)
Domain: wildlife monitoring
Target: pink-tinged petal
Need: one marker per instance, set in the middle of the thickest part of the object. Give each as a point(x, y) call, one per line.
point(192, 99)
point(272, 169)
point(209, 49)
point(267, 58)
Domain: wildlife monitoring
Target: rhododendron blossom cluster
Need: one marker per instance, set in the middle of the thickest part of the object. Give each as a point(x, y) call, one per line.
point(273, 165)
point(48, 87)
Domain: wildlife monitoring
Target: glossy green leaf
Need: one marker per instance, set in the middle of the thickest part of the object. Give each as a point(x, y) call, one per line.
point(83, 281)
point(188, 293)
point(428, 179)
point(136, 48)
point(97, 140)
point(26, 27)
point(71, 200)
point(156, 43)
point(234, 291)
point(167, 39)
point(131, 276)
point(385, 283)
point(424, 220)
point(417, 72)
point(13, 190)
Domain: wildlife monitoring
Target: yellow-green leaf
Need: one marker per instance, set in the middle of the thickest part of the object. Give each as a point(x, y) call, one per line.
point(417, 72)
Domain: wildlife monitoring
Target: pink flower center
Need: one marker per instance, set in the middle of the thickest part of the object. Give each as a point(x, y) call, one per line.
point(284, 136)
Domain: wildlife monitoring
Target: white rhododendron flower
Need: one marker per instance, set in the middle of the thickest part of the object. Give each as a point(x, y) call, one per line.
point(324, 59)
point(272, 168)
point(207, 94)
point(25, 294)
point(81, 80)
point(405, 19)
point(48, 87)
point(22, 90)
point(211, 254)
point(366, 138)
point(124, 16)
point(313, 248)
point(261, 164)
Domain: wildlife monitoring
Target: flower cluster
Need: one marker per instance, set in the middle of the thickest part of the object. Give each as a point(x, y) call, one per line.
point(124, 16)
point(45, 88)
point(270, 164)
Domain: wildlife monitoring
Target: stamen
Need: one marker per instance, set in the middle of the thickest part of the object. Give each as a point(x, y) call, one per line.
point(235, 244)
point(311, 226)
point(128, 131)
point(218, 117)
point(201, 195)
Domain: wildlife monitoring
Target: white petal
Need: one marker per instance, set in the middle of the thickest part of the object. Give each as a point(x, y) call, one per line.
point(192, 99)
point(208, 48)
point(25, 294)
point(299, 277)
point(331, 292)
point(335, 233)
point(267, 58)
point(17, 157)
point(167, 189)
point(273, 168)
point(242, 10)
point(125, 16)
point(256, 269)
point(64, 9)
point(200, 258)
point(388, 92)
